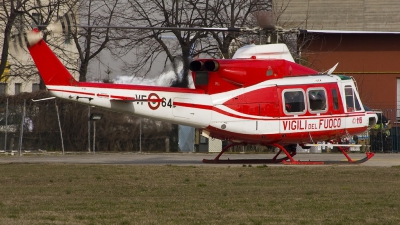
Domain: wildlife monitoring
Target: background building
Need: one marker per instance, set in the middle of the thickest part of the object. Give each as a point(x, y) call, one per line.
point(369, 52)
point(365, 44)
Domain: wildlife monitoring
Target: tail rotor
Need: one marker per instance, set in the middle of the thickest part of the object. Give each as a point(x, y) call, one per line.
point(65, 25)
point(22, 40)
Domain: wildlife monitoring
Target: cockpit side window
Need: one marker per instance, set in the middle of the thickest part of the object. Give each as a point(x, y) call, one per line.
point(294, 101)
point(335, 99)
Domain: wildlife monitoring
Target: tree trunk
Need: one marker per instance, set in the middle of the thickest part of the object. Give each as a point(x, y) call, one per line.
point(6, 42)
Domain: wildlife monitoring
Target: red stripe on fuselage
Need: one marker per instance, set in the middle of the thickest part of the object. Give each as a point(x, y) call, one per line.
point(209, 107)
point(215, 109)
point(73, 92)
point(103, 95)
point(191, 105)
point(122, 98)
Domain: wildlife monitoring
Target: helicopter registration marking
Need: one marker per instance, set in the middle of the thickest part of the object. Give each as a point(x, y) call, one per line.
point(154, 101)
point(329, 123)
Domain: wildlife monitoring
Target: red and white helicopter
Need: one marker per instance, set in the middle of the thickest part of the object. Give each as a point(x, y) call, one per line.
point(261, 96)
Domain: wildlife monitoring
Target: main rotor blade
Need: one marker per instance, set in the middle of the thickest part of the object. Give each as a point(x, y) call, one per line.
point(233, 29)
point(347, 32)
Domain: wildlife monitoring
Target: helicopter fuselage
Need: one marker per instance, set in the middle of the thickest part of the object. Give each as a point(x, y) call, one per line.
point(262, 101)
point(262, 113)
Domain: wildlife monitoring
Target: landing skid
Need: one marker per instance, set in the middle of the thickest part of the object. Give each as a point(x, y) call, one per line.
point(242, 161)
point(352, 162)
point(288, 160)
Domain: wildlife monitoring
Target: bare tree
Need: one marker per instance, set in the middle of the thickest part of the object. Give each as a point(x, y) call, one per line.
point(150, 44)
point(91, 41)
point(236, 13)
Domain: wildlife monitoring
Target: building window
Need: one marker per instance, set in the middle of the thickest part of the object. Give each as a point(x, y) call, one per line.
point(67, 39)
point(35, 87)
point(18, 88)
point(37, 18)
point(3, 88)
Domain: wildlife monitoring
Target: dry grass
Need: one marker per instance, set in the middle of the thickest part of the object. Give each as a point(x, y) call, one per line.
point(123, 194)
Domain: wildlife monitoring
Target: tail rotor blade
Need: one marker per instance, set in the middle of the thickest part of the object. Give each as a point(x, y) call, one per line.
point(55, 27)
point(22, 40)
point(65, 25)
point(18, 42)
point(68, 23)
point(14, 45)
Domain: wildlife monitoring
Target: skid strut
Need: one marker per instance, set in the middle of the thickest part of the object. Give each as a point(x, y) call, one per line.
point(216, 160)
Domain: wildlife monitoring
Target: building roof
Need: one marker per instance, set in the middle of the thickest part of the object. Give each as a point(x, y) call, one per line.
point(357, 15)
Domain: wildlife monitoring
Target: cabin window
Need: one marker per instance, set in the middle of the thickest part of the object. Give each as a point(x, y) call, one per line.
point(201, 78)
point(335, 99)
point(317, 100)
point(352, 102)
point(294, 101)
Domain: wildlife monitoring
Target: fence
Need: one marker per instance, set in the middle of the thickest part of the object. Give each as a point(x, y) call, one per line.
point(29, 125)
point(385, 136)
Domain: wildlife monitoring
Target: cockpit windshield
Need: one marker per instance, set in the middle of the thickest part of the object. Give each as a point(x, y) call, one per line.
point(352, 101)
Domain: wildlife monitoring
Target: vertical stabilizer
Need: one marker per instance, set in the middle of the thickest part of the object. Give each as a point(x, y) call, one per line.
point(52, 71)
